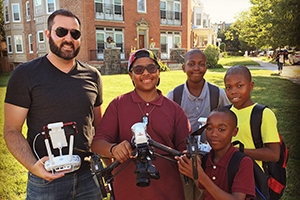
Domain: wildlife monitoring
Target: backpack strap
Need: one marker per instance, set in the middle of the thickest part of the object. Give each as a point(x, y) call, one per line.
point(214, 94)
point(177, 94)
point(255, 125)
point(234, 163)
point(233, 166)
point(228, 106)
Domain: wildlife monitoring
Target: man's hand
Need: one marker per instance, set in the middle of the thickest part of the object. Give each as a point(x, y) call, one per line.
point(39, 170)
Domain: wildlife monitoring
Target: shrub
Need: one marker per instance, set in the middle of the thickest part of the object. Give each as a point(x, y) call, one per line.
point(223, 47)
point(219, 66)
point(212, 53)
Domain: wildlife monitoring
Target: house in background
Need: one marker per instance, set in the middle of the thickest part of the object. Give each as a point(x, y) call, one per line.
point(161, 25)
point(203, 30)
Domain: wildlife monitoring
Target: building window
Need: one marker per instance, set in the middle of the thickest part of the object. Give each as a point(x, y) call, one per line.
point(41, 37)
point(9, 44)
point(141, 5)
point(30, 45)
point(169, 40)
point(50, 6)
point(119, 40)
point(177, 41)
point(6, 14)
point(18, 43)
point(198, 19)
point(118, 7)
point(27, 11)
point(100, 42)
point(38, 2)
point(102, 35)
point(99, 6)
point(177, 10)
point(163, 9)
point(170, 12)
point(15, 7)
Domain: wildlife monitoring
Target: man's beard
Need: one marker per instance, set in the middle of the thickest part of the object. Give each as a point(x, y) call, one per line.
point(65, 55)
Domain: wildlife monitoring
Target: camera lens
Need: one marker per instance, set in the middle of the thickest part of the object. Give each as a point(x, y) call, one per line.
point(142, 179)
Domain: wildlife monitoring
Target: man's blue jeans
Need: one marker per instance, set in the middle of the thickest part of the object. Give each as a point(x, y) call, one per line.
point(80, 185)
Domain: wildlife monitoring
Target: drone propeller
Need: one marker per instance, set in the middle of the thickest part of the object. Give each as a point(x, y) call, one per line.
point(199, 131)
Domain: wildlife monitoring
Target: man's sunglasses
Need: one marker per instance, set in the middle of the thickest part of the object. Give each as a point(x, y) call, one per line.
point(62, 32)
point(139, 69)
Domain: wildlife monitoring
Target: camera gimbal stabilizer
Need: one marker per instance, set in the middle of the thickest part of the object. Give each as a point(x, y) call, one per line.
point(144, 154)
point(193, 150)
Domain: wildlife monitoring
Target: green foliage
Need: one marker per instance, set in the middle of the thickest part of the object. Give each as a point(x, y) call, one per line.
point(271, 23)
point(212, 53)
point(219, 66)
point(223, 47)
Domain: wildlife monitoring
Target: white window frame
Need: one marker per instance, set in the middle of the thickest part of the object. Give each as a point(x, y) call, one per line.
point(145, 6)
point(27, 10)
point(6, 14)
point(198, 20)
point(177, 40)
point(54, 6)
point(18, 39)
point(30, 44)
point(37, 2)
point(18, 12)
point(99, 4)
point(9, 44)
point(41, 39)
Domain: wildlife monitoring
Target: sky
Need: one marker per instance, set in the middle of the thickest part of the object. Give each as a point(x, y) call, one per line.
point(225, 10)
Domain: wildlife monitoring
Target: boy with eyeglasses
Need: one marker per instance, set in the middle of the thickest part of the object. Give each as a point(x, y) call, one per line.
point(166, 123)
point(49, 89)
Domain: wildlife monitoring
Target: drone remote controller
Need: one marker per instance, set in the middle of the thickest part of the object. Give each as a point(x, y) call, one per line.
point(61, 163)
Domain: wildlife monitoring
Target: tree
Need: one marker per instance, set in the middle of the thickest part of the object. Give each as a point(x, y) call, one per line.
point(269, 23)
point(212, 53)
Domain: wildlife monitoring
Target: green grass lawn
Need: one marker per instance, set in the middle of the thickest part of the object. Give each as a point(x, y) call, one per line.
point(281, 95)
point(237, 60)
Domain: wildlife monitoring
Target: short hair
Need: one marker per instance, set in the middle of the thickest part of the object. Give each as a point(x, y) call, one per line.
point(193, 51)
point(238, 69)
point(62, 12)
point(230, 114)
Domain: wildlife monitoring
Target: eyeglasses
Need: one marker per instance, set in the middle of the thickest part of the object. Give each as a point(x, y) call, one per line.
point(139, 69)
point(61, 32)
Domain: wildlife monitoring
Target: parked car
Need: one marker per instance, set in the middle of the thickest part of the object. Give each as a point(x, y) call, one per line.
point(294, 58)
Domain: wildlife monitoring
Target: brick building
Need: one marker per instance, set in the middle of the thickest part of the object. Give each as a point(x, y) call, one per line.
point(161, 25)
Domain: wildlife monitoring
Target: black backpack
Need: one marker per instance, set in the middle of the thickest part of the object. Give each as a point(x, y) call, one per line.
point(261, 181)
point(275, 171)
point(213, 95)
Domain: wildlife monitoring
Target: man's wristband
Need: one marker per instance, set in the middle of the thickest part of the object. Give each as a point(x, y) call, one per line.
point(111, 148)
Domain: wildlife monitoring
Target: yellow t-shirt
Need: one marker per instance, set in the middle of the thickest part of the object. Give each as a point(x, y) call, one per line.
point(268, 128)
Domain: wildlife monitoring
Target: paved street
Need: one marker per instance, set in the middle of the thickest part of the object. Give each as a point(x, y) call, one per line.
point(291, 72)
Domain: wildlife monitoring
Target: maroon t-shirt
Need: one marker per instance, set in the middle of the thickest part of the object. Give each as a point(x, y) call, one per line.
point(243, 181)
point(167, 125)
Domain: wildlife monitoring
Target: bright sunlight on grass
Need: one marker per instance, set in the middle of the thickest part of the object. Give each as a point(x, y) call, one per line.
point(237, 60)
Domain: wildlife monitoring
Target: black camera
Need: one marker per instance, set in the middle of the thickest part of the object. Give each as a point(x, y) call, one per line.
point(144, 155)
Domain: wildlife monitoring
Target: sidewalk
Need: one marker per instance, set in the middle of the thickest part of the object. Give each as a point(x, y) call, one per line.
point(291, 72)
